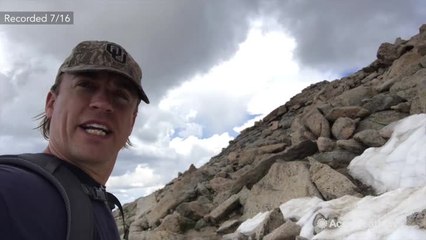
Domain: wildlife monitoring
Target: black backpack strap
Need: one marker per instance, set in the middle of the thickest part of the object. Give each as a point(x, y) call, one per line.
point(100, 194)
point(80, 218)
point(113, 199)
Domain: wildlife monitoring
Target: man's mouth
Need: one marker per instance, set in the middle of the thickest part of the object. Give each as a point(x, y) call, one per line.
point(96, 129)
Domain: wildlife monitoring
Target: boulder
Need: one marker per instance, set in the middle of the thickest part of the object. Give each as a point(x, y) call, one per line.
point(343, 128)
point(380, 119)
point(382, 101)
point(220, 184)
point(299, 132)
point(284, 181)
point(351, 145)
point(331, 183)
point(228, 226)
point(196, 209)
point(252, 176)
point(336, 159)
point(421, 93)
point(175, 223)
point(156, 235)
point(317, 123)
point(387, 53)
point(348, 111)
point(235, 236)
point(325, 144)
point(287, 231)
point(370, 138)
point(183, 189)
point(353, 97)
point(224, 209)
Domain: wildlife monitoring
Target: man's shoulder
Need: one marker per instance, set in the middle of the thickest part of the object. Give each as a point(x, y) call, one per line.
point(15, 179)
point(19, 178)
point(27, 198)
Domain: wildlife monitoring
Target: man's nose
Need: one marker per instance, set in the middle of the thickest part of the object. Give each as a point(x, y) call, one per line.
point(102, 101)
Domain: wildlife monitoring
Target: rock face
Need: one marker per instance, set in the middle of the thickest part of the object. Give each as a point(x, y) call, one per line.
point(300, 149)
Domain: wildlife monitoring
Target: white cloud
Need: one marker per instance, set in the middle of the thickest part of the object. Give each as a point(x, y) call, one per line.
point(141, 177)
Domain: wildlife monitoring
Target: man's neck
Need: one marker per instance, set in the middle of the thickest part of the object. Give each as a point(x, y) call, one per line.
point(99, 173)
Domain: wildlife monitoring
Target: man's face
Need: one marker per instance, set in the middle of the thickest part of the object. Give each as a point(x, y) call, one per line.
point(91, 117)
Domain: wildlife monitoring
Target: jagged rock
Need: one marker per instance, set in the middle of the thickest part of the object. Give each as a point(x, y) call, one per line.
point(379, 119)
point(232, 156)
point(156, 235)
point(299, 132)
point(423, 59)
point(196, 209)
point(273, 148)
point(300, 238)
point(272, 126)
point(317, 123)
point(417, 218)
point(354, 96)
point(387, 52)
point(182, 190)
point(235, 236)
point(202, 190)
point(275, 114)
point(405, 66)
point(421, 93)
point(208, 232)
point(145, 204)
point(343, 128)
point(402, 107)
point(175, 223)
point(273, 221)
point(325, 144)
point(201, 223)
point(305, 97)
point(351, 145)
point(287, 231)
point(246, 157)
point(221, 211)
point(331, 183)
point(335, 159)
point(349, 111)
point(298, 151)
point(370, 138)
point(382, 102)
point(286, 121)
point(228, 226)
point(284, 181)
point(220, 184)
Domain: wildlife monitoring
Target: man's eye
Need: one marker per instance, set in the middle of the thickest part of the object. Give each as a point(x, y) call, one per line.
point(85, 84)
point(123, 96)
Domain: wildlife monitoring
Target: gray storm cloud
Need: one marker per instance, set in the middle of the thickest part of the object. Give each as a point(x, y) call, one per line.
point(173, 40)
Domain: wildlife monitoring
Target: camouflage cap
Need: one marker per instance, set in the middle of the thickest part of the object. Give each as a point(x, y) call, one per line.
point(107, 56)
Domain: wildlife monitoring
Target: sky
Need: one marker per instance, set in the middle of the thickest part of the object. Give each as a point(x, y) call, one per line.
point(396, 171)
point(210, 68)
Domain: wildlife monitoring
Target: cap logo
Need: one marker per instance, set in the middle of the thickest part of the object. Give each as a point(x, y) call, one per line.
point(117, 53)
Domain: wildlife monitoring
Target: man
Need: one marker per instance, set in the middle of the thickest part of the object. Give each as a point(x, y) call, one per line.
point(89, 114)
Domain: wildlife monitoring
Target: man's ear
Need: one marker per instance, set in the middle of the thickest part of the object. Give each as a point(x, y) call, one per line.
point(50, 104)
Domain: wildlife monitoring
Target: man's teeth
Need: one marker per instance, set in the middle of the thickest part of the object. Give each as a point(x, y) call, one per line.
point(99, 126)
point(95, 132)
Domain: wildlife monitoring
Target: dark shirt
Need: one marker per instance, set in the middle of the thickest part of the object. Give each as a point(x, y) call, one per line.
point(31, 208)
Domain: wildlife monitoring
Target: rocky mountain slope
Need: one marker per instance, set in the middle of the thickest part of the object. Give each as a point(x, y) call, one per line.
point(301, 149)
